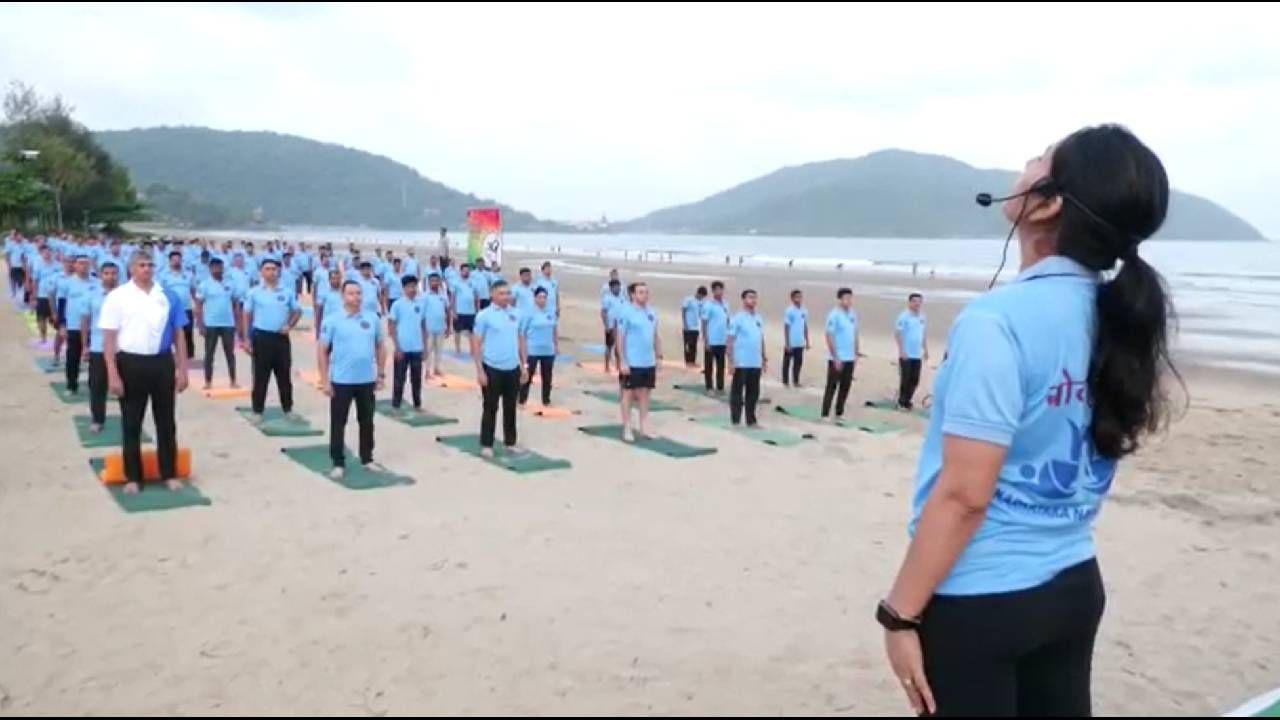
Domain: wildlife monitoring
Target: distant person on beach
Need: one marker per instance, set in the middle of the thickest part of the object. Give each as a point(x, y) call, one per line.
point(480, 283)
point(640, 347)
point(435, 310)
point(843, 348)
point(500, 357)
point(392, 281)
point(748, 360)
point(270, 313)
point(179, 280)
point(442, 246)
point(913, 349)
point(613, 275)
point(42, 282)
point(146, 359)
point(408, 330)
point(540, 330)
point(372, 297)
point(552, 286)
point(715, 335)
point(108, 278)
point(795, 335)
point(522, 292)
point(611, 308)
point(691, 312)
point(351, 360)
point(409, 266)
point(1048, 382)
point(306, 264)
point(217, 311)
point(15, 253)
point(78, 287)
point(464, 307)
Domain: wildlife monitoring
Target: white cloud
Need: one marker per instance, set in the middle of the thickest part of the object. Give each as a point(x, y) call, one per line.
point(570, 110)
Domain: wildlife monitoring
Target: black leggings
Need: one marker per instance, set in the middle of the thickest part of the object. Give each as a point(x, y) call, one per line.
point(340, 410)
point(546, 363)
point(408, 364)
point(1027, 653)
point(792, 360)
point(211, 337)
point(98, 388)
point(838, 384)
point(744, 394)
point(75, 351)
point(909, 374)
point(272, 355)
point(504, 387)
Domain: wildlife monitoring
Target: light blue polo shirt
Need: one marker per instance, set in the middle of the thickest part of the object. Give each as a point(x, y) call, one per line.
point(78, 291)
point(716, 315)
point(842, 326)
point(553, 291)
point(612, 305)
point(522, 297)
point(747, 331)
point(796, 320)
point(352, 341)
point(499, 333)
point(638, 326)
point(435, 311)
point(47, 275)
point(410, 266)
point(407, 315)
point(691, 309)
point(394, 284)
point(179, 283)
point(304, 262)
point(479, 282)
point(369, 294)
point(539, 328)
point(911, 328)
point(93, 305)
point(270, 307)
point(14, 253)
point(1015, 375)
point(217, 298)
point(464, 298)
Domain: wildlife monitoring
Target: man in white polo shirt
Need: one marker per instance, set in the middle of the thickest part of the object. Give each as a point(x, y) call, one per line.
point(143, 330)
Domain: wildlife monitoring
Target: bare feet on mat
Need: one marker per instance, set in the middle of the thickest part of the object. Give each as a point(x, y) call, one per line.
point(131, 488)
point(95, 428)
point(628, 435)
point(209, 386)
point(645, 433)
point(255, 419)
point(175, 485)
point(337, 473)
point(374, 466)
point(294, 417)
point(419, 411)
point(486, 453)
point(517, 450)
point(235, 385)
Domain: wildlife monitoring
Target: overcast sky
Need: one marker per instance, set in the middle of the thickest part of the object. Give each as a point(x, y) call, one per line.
point(571, 111)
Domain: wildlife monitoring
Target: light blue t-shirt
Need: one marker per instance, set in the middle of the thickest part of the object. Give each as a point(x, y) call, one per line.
point(304, 262)
point(716, 315)
point(290, 275)
point(14, 253)
point(522, 297)
point(410, 266)
point(47, 275)
point(121, 261)
point(539, 329)
point(395, 285)
point(1015, 375)
point(797, 320)
point(61, 288)
point(639, 326)
point(499, 333)
point(94, 306)
point(216, 298)
point(842, 326)
point(552, 287)
point(747, 331)
point(179, 283)
point(78, 291)
point(407, 315)
point(352, 341)
point(911, 329)
point(691, 308)
point(270, 307)
point(612, 305)
point(464, 297)
point(370, 290)
point(479, 282)
point(435, 310)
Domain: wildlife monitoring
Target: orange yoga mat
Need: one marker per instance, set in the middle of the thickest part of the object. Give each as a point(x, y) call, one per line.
point(310, 377)
point(553, 412)
point(113, 466)
point(453, 382)
point(226, 393)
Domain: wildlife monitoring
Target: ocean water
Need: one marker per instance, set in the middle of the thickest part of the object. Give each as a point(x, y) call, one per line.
point(1227, 293)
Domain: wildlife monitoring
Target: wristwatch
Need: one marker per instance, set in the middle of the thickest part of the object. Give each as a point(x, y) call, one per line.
point(890, 620)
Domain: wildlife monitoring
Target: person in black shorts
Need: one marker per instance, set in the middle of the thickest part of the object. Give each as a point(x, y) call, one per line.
point(611, 307)
point(640, 349)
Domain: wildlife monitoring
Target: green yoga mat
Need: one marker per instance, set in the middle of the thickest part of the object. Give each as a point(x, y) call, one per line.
point(701, 391)
point(527, 463)
point(412, 419)
point(611, 396)
point(768, 436)
point(60, 389)
point(812, 414)
point(153, 497)
point(109, 437)
point(275, 424)
point(892, 406)
point(1266, 705)
point(46, 365)
point(316, 459)
point(660, 445)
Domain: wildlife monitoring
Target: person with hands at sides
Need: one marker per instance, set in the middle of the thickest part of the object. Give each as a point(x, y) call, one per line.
point(795, 323)
point(408, 340)
point(640, 350)
point(270, 313)
point(435, 311)
point(844, 348)
point(748, 360)
point(539, 329)
point(351, 359)
point(501, 358)
point(217, 315)
point(913, 349)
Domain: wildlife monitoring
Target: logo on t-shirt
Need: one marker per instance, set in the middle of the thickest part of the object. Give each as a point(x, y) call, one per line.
point(416, 309)
point(364, 324)
point(279, 298)
point(511, 317)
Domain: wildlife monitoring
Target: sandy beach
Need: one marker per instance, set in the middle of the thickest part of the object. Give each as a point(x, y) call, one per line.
point(739, 583)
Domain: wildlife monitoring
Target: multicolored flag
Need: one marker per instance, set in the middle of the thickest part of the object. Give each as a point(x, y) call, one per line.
point(484, 235)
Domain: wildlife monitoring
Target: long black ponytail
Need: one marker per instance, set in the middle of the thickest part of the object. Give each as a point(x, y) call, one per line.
point(1115, 195)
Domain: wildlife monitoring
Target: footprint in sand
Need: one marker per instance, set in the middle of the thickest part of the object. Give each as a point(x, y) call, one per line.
point(37, 582)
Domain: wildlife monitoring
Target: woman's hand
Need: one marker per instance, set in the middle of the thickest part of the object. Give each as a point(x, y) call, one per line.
point(907, 661)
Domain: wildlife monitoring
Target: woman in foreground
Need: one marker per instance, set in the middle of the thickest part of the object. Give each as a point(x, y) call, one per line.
point(1048, 381)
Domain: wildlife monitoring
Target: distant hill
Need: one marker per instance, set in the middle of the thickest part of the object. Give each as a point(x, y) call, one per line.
point(892, 193)
point(289, 180)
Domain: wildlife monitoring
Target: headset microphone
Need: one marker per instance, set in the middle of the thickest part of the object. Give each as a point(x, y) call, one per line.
point(985, 199)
